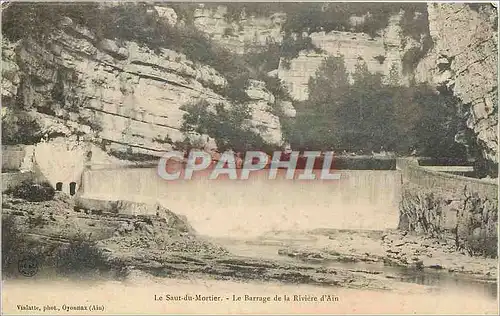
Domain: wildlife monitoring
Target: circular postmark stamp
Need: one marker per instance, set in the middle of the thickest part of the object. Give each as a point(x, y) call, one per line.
point(28, 266)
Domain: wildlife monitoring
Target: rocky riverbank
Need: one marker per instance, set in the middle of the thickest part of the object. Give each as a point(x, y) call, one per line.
point(393, 248)
point(162, 244)
point(165, 245)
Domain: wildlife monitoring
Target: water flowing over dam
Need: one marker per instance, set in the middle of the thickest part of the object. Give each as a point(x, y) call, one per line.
point(361, 199)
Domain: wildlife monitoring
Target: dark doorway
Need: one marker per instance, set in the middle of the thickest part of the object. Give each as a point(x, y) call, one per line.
point(72, 188)
point(59, 186)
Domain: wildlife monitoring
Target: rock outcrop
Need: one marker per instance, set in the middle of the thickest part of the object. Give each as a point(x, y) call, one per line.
point(469, 221)
point(113, 242)
point(464, 59)
point(121, 95)
point(130, 98)
point(381, 54)
point(10, 72)
point(241, 34)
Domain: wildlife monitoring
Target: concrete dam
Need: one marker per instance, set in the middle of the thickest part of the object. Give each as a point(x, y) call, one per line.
point(361, 199)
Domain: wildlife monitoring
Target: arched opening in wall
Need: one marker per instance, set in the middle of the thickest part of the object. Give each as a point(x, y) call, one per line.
point(72, 188)
point(59, 186)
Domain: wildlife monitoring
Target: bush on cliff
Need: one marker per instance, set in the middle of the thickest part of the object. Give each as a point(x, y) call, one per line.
point(19, 127)
point(227, 125)
point(12, 243)
point(33, 192)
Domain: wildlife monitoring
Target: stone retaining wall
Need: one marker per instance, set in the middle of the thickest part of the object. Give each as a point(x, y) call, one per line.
point(13, 179)
point(17, 158)
point(462, 210)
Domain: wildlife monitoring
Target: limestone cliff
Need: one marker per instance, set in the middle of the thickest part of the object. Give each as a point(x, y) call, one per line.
point(130, 97)
point(464, 59)
point(381, 53)
point(119, 94)
point(242, 34)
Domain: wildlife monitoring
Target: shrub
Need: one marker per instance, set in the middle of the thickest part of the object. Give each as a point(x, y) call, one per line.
point(228, 31)
point(16, 245)
point(81, 256)
point(20, 128)
point(379, 58)
point(130, 155)
point(292, 46)
point(12, 242)
point(277, 87)
point(228, 126)
point(478, 6)
point(415, 26)
point(37, 221)
point(33, 192)
point(164, 140)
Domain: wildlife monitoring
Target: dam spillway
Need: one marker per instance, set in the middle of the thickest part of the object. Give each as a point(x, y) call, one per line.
point(361, 199)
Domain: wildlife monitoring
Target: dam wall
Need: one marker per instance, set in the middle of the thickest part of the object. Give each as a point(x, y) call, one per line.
point(461, 209)
point(361, 199)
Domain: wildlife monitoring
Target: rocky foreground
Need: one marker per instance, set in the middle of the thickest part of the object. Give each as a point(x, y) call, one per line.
point(393, 248)
point(165, 245)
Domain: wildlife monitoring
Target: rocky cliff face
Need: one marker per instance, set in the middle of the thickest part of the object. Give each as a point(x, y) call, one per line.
point(464, 59)
point(120, 94)
point(466, 218)
point(10, 72)
point(380, 53)
point(131, 98)
point(240, 35)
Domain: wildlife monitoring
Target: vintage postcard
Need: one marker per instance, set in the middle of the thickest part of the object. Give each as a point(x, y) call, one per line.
point(167, 158)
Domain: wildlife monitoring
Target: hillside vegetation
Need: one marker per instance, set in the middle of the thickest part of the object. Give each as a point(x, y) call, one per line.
point(370, 115)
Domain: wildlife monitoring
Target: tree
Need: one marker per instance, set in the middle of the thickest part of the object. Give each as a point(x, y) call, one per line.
point(316, 124)
point(330, 82)
point(369, 115)
point(229, 126)
point(438, 123)
point(19, 127)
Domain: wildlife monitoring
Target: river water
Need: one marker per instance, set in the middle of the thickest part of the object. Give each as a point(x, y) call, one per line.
point(442, 281)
